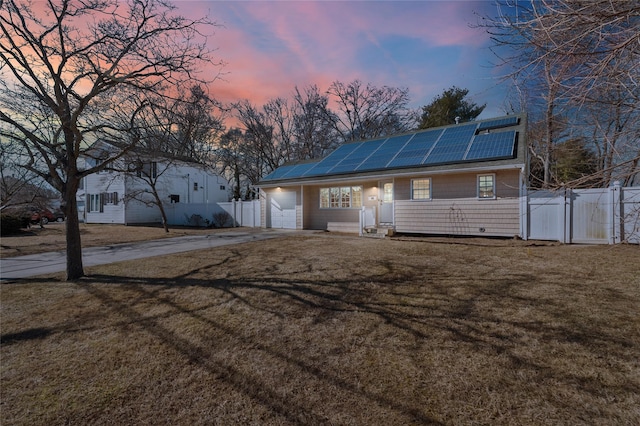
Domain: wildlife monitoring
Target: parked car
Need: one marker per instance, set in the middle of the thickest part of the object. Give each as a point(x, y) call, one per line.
point(45, 216)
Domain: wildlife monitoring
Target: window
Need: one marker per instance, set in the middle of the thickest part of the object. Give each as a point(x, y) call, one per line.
point(110, 198)
point(341, 197)
point(421, 189)
point(95, 203)
point(195, 186)
point(174, 198)
point(486, 186)
point(149, 169)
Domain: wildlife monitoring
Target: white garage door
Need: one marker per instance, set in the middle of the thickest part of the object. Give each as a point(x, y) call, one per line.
point(283, 210)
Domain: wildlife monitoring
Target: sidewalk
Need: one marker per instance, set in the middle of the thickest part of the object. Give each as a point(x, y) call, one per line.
point(46, 263)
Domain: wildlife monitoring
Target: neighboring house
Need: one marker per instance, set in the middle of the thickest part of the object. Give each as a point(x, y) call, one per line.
point(124, 197)
point(464, 179)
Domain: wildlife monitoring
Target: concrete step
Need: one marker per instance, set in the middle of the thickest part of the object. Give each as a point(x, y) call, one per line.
point(374, 232)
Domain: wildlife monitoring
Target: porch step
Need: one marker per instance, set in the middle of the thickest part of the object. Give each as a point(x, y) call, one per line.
point(374, 232)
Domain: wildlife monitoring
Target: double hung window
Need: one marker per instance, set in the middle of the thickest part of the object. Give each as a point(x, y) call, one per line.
point(487, 186)
point(421, 189)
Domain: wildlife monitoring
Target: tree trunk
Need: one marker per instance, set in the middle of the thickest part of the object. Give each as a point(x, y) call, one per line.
point(161, 207)
point(236, 177)
point(75, 269)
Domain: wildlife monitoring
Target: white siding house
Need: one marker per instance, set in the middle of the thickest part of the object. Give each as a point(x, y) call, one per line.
point(125, 197)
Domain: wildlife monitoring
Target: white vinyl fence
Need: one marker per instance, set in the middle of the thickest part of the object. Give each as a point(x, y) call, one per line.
point(594, 216)
point(227, 214)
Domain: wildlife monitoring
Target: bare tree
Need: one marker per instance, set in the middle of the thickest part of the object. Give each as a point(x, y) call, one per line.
point(194, 123)
point(74, 72)
point(367, 112)
point(313, 124)
point(589, 55)
point(262, 132)
point(235, 156)
point(20, 188)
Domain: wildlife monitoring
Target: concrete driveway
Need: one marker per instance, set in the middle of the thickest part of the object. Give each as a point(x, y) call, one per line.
point(47, 263)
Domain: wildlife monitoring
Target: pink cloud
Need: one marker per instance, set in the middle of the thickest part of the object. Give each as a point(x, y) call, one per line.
point(270, 47)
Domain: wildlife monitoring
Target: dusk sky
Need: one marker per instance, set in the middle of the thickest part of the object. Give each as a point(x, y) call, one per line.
point(269, 47)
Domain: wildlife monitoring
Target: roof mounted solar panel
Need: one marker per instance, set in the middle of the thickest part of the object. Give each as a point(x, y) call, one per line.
point(492, 145)
point(416, 150)
point(360, 154)
point(496, 124)
point(452, 145)
point(323, 166)
point(298, 170)
point(385, 153)
point(279, 172)
point(474, 141)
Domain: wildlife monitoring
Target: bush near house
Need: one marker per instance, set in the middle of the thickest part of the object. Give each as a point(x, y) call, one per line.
point(11, 224)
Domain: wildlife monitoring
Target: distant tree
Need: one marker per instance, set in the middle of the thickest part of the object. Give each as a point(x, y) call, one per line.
point(367, 111)
point(234, 155)
point(193, 123)
point(20, 188)
point(285, 130)
point(572, 164)
point(262, 148)
point(313, 124)
point(449, 106)
point(587, 52)
point(74, 72)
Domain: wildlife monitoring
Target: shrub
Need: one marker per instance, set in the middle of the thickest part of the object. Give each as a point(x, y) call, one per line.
point(11, 223)
point(222, 219)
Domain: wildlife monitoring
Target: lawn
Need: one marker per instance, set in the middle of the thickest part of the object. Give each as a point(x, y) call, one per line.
point(331, 329)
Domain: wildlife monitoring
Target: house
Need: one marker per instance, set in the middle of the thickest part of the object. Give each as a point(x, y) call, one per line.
point(122, 193)
point(463, 179)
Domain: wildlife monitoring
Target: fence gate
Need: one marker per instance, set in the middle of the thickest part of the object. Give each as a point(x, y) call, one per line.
point(591, 216)
point(547, 215)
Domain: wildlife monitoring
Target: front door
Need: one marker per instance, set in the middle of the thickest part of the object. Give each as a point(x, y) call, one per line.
point(386, 203)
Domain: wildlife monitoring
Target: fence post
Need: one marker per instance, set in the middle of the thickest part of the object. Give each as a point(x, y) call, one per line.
point(617, 221)
point(235, 213)
point(568, 215)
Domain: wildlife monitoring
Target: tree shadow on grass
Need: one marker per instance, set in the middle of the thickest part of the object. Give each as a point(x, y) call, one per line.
point(253, 387)
point(435, 306)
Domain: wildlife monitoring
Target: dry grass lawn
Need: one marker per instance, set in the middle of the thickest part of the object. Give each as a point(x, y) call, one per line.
point(52, 237)
point(331, 329)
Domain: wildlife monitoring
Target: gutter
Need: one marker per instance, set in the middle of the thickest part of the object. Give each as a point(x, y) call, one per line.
point(414, 172)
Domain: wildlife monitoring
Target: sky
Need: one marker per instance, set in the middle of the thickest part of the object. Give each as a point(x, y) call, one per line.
point(428, 46)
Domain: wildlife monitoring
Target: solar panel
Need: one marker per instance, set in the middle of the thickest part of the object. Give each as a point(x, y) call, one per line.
point(385, 153)
point(452, 145)
point(356, 157)
point(279, 172)
point(501, 122)
point(492, 145)
point(298, 170)
point(466, 142)
point(416, 150)
point(327, 163)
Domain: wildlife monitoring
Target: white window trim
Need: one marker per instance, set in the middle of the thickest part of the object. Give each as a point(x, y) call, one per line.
point(339, 207)
point(430, 189)
point(493, 175)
